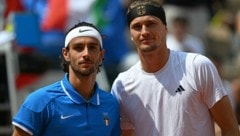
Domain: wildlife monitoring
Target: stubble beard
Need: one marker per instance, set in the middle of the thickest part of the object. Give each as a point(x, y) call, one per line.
point(148, 48)
point(84, 72)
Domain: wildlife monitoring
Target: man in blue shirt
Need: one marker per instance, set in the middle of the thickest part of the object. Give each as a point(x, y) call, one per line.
point(75, 105)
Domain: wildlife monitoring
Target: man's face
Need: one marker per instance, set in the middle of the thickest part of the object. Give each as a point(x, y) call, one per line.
point(84, 55)
point(148, 33)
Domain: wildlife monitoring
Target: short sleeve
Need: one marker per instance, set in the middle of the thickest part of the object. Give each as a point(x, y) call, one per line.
point(208, 80)
point(31, 115)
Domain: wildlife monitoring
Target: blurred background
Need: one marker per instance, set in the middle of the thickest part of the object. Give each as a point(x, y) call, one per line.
point(32, 35)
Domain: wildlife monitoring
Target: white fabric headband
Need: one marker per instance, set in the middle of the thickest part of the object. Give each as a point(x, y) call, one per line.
point(83, 31)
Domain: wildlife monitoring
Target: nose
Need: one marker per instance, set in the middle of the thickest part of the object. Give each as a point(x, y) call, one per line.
point(86, 52)
point(144, 30)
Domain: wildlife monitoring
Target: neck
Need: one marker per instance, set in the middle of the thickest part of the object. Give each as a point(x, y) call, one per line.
point(153, 62)
point(84, 84)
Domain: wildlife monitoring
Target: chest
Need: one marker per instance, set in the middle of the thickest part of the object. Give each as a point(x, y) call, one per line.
point(82, 119)
point(172, 90)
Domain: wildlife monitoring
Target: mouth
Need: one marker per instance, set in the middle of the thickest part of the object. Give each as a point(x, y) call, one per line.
point(145, 38)
point(145, 41)
point(86, 63)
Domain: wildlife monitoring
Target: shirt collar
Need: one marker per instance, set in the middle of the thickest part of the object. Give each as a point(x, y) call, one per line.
point(75, 96)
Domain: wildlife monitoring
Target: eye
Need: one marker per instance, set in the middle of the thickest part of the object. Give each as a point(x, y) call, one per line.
point(94, 47)
point(78, 47)
point(136, 27)
point(150, 24)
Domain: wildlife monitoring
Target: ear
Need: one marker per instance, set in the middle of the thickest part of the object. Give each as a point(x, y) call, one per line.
point(131, 38)
point(65, 53)
point(101, 58)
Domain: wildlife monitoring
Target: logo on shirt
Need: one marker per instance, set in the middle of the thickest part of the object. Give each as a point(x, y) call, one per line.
point(180, 89)
point(106, 119)
point(66, 117)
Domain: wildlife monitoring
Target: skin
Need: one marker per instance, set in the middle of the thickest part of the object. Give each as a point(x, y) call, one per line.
point(225, 120)
point(148, 33)
point(19, 132)
point(84, 57)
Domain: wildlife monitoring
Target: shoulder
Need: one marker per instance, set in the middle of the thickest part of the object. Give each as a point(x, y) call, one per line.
point(199, 66)
point(190, 58)
point(106, 96)
point(108, 100)
point(199, 60)
point(40, 98)
point(133, 70)
point(128, 75)
point(191, 61)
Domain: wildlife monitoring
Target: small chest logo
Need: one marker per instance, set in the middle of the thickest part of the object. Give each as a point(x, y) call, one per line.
point(106, 119)
point(180, 89)
point(66, 117)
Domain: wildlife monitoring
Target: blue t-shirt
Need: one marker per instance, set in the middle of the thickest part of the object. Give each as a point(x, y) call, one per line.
point(58, 109)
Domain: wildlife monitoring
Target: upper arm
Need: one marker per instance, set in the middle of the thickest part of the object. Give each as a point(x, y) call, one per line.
point(127, 132)
point(224, 116)
point(19, 132)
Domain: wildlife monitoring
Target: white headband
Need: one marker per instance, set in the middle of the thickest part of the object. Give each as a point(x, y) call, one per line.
point(83, 31)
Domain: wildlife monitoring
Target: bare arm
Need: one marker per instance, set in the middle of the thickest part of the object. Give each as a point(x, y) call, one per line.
point(19, 132)
point(225, 118)
point(127, 129)
point(127, 132)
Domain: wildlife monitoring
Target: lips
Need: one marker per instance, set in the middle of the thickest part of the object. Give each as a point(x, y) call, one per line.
point(145, 41)
point(86, 63)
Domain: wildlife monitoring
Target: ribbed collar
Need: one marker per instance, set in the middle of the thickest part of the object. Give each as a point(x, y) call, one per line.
point(75, 96)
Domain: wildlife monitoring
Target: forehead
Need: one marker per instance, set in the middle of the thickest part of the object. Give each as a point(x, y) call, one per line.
point(85, 39)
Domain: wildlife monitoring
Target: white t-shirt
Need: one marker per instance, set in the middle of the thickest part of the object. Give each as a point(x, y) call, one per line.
point(174, 101)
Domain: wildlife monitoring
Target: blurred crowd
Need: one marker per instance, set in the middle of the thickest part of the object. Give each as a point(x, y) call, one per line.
point(40, 28)
point(209, 27)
